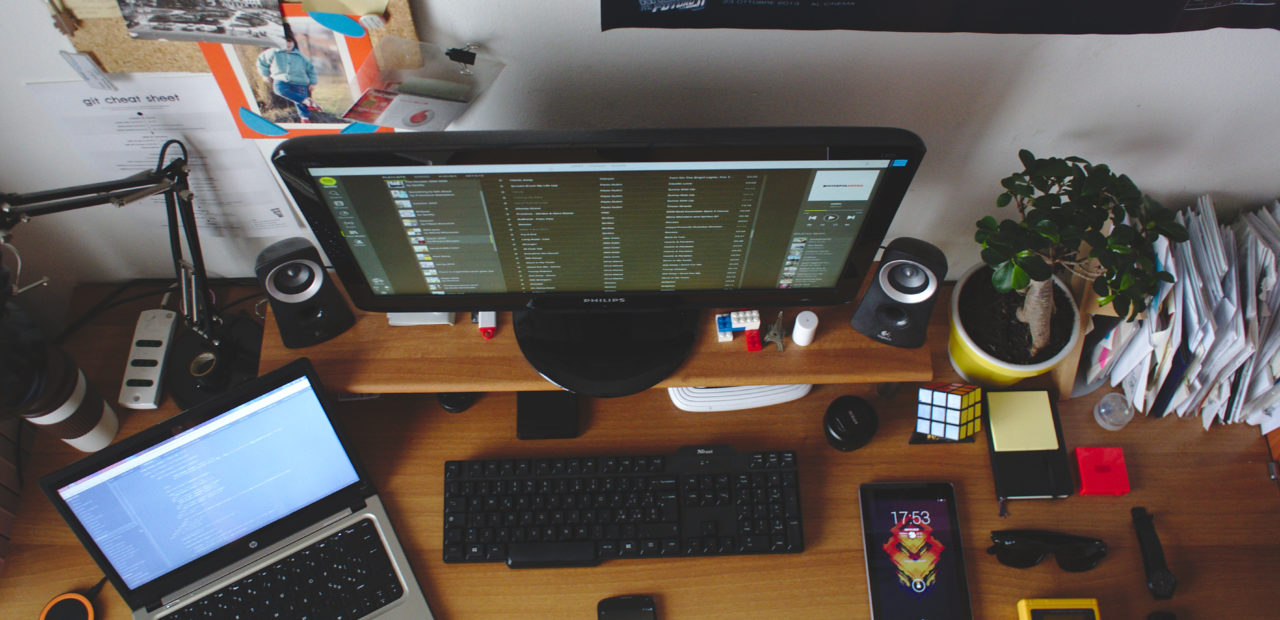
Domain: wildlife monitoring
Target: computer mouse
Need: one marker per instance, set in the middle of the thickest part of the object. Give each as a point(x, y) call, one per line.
point(456, 402)
point(850, 423)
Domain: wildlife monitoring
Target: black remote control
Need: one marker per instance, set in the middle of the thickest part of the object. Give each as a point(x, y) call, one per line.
point(1160, 580)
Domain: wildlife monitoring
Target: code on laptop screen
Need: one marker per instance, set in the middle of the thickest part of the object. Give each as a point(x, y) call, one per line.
point(212, 484)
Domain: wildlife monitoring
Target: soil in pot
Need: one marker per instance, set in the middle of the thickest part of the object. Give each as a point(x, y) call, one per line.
point(990, 318)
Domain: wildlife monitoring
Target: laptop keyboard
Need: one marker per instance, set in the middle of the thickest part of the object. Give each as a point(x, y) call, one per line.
point(345, 575)
point(534, 513)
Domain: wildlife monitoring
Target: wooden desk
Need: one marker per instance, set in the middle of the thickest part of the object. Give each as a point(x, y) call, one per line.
point(373, 357)
point(1214, 508)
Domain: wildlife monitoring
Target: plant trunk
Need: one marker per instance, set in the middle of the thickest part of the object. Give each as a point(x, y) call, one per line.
point(1037, 309)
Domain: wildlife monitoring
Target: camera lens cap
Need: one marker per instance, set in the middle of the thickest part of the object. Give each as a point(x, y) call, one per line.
point(850, 423)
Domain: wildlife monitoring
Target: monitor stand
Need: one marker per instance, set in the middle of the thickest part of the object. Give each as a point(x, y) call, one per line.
point(605, 353)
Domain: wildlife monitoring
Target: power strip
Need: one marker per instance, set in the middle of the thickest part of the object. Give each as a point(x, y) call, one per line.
point(145, 368)
point(736, 397)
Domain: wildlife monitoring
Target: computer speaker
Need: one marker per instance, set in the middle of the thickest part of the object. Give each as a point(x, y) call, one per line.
point(896, 307)
point(309, 309)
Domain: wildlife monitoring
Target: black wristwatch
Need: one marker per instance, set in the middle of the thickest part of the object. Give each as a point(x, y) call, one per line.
point(1160, 580)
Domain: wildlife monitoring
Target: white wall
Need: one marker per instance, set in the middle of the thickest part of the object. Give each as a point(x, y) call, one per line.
point(1182, 114)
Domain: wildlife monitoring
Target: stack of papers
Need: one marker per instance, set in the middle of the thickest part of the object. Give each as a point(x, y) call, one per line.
point(1208, 344)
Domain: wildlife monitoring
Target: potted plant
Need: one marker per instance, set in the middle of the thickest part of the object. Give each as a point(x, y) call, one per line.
point(1074, 218)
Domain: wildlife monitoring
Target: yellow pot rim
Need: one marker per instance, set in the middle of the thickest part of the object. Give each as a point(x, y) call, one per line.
point(978, 352)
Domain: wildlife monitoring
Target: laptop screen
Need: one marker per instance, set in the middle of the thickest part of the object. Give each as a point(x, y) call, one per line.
point(205, 487)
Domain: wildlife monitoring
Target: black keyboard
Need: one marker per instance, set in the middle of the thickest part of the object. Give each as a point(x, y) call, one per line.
point(707, 500)
point(344, 575)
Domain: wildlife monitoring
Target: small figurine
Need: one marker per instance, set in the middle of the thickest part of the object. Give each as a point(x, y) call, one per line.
point(775, 333)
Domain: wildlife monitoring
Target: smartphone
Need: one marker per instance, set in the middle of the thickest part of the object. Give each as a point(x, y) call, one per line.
point(551, 414)
point(627, 607)
point(911, 543)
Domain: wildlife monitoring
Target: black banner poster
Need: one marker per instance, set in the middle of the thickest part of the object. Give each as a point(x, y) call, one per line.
point(987, 16)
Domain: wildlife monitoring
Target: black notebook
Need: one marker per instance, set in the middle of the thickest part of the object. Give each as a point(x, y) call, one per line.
point(1028, 454)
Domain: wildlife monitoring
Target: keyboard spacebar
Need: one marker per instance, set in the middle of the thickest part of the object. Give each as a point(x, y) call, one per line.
point(552, 554)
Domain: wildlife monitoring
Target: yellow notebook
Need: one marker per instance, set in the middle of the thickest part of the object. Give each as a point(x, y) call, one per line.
point(1021, 421)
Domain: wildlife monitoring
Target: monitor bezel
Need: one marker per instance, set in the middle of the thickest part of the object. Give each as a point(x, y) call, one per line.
point(294, 157)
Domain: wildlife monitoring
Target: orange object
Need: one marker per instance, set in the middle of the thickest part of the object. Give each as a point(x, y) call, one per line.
point(69, 606)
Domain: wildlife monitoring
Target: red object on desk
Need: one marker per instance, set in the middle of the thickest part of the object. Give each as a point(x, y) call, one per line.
point(488, 323)
point(1102, 471)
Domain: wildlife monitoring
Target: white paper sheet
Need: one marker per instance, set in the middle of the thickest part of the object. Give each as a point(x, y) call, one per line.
point(120, 133)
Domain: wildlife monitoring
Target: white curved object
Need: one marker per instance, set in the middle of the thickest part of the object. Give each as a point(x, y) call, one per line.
point(735, 397)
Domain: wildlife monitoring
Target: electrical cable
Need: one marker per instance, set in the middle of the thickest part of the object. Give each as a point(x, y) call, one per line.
point(165, 148)
point(72, 605)
point(102, 303)
point(97, 587)
point(107, 304)
point(236, 302)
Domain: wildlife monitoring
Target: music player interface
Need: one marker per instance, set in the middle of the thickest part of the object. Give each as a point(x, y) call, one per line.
point(601, 227)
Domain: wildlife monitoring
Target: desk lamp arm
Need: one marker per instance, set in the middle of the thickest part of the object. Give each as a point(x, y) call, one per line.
point(18, 208)
point(220, 353)
point(168, 179)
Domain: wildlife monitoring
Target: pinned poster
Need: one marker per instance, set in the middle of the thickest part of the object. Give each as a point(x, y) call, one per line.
point(299, 89)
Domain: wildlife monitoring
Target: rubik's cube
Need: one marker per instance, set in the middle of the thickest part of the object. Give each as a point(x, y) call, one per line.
point(950, 411)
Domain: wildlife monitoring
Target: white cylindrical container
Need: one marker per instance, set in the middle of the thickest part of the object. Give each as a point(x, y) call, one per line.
point(66, 404)
point(84, 420)
point(805, 327)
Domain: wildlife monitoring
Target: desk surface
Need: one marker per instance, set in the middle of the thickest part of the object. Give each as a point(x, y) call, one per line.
point(1214, 508)
point(374, 357)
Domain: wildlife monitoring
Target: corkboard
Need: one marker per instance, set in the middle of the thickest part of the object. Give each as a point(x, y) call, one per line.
point(399, 24)
point(108, 41)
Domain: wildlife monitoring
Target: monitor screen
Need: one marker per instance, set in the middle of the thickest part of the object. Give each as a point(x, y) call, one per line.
point(602, 243)
point(503, 220)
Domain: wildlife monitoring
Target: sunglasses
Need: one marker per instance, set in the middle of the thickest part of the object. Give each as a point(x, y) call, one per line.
point(1026, 548)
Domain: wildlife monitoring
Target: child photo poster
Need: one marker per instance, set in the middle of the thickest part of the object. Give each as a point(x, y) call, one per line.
point(263, 109)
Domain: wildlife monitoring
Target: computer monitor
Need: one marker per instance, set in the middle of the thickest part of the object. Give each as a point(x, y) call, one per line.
point(604, 244)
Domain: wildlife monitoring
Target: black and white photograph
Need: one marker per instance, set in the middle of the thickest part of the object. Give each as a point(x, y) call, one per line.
point(251, 22)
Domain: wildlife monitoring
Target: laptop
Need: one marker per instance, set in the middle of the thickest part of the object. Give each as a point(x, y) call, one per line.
point(227, 503)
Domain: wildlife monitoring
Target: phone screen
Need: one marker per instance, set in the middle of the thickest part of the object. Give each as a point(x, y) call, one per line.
point(915, 567)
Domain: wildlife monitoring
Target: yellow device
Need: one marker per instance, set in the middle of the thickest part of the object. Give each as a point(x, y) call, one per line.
point(1058, 609)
